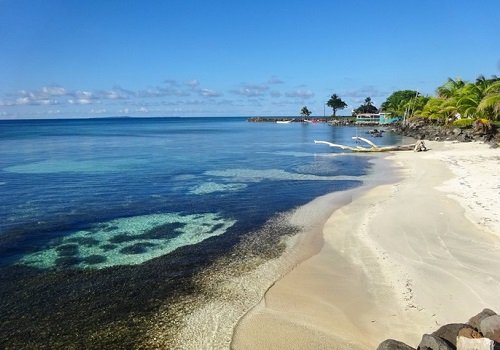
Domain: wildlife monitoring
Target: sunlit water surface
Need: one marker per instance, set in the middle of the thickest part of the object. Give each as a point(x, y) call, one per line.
point(112, 230)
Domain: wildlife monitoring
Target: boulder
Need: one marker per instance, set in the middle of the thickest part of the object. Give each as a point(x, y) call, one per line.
point(464, 343)
point(432, 342)
point(391, 344)
point(476, 320)
point(490, 327)
point(449, 332)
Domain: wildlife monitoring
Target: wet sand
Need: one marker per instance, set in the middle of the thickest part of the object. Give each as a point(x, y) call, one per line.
point(398, 261)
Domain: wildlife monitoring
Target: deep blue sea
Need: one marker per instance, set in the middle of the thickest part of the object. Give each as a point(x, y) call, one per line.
point(105, 224)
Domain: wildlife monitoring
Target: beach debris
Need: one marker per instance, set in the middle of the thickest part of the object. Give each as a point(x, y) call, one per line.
point(481, 332)
point(374, 147)
point(420, 146)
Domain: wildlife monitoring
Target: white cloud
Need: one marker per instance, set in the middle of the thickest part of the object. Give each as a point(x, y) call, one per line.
point(192, 83)
point(82, 94)
point(162, 92)
point(171, 82)
point(81, 101)
point(34, 98)
point(209, 93)
point(98, 111)
point(359, 95)
point(54, 90)
point(274, 80)
point(301, 94)
point(117, 93)
point(251, 90)
point(23, 101)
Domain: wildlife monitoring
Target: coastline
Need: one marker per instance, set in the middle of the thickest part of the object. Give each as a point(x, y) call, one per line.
point(396, 262)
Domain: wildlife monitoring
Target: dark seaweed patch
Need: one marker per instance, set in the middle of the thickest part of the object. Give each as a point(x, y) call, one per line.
point(108, 247)
point(165, 231)
point(94, 259)
point(216, 227)
point(138, 248)
point(85, 241)
point(123, 237)
point(67, 261)
point(67, 250)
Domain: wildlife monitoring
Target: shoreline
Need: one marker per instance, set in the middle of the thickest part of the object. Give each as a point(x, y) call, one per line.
point(398, 260)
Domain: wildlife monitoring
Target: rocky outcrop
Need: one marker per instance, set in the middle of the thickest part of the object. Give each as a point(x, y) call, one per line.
point(422, 130)
point(481, 332)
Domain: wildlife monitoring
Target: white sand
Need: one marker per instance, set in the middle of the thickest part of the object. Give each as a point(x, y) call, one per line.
point(398, 261)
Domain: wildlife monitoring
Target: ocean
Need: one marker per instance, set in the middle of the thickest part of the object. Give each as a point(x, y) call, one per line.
point(145, 233)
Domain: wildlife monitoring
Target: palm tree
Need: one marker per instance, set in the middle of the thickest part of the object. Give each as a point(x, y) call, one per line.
point(449, 89)
point(439, 110)
point(468, 99)
point(305, 112)
point(491, 101)
point(336, 103)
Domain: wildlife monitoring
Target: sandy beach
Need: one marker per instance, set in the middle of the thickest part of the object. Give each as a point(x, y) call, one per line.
point(398, 261)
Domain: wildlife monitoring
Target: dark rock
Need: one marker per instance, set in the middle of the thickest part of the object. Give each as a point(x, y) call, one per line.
point(476, 320)
point(391, 344)
point(432, 342)
point(421, 130)
point(490, 327)
point(449, 332)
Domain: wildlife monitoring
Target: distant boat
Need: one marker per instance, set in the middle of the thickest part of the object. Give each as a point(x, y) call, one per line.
point(314, 121)
point(283, 121)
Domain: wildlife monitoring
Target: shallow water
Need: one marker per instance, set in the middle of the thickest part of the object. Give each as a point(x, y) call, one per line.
point(108, 224)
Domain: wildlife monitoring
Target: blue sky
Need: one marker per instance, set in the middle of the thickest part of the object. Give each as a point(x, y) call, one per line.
point(101, 58)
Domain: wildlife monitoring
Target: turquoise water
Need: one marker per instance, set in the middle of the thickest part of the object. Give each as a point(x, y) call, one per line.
point(136, 208)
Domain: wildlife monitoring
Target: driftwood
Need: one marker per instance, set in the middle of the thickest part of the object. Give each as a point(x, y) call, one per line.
point(419, 146)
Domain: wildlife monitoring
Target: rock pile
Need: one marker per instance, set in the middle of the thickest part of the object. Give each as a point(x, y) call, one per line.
point(481, 332)
point(421, 130)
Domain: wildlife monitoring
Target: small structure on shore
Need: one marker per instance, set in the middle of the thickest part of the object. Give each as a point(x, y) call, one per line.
point(380, 118)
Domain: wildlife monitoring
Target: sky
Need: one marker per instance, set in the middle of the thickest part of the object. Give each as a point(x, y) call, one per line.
point(105, 58)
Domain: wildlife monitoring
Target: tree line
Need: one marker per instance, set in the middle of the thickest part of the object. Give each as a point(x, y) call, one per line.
point(455, 101)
